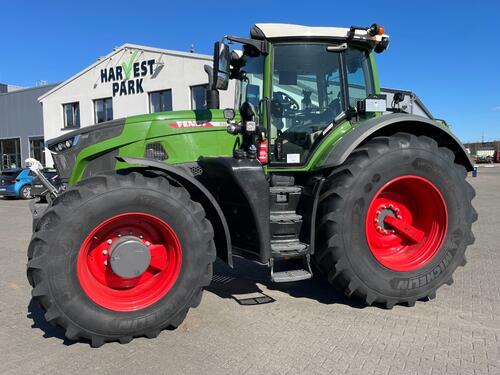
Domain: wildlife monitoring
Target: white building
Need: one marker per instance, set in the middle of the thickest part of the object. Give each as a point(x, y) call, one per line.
point(131, 80)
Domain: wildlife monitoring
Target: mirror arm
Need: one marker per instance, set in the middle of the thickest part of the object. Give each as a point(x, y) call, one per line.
point(261, 45)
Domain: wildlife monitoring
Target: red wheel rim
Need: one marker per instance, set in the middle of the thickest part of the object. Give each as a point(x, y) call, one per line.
point(109, 290)
point(406, 223)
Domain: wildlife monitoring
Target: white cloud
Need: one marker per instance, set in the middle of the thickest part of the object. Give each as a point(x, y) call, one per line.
point(497, 108)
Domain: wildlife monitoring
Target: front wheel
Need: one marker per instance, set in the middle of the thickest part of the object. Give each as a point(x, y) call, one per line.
point(117, 257)
point(395, 220)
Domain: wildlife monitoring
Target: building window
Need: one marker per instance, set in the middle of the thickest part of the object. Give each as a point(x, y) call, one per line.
point(198, 96)
point(71, 115)
point(10, 149)
point(103, 110)
point(37, 148)
point(160, 101)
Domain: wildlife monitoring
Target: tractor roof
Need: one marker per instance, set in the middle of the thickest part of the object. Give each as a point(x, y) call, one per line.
point(284, 30)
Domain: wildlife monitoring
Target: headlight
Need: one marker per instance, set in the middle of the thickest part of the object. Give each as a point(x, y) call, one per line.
point(65, 145)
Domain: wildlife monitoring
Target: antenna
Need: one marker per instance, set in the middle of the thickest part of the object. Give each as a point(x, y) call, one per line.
point(191, 50)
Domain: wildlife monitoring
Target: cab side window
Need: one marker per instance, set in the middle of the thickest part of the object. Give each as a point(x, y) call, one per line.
point(358, 76)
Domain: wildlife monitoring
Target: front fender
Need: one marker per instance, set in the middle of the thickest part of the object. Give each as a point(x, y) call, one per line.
point(199, 193)
point(391, 124)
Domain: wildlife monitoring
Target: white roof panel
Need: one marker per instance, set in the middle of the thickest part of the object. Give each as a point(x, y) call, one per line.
point(285, 30)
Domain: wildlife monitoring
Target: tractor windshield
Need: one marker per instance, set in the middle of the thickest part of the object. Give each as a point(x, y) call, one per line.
point(307, 94)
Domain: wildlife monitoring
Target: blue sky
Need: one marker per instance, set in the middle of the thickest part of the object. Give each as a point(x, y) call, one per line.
point(448, 52)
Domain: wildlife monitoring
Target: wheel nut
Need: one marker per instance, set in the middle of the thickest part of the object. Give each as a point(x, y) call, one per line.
point(141, 236)
point(378, 212)
point(376, 220)
point(105, 262)
point(396, 209)
point(105, 252)
point(400, 217)
point(383, 206)
point(391, 206)
point(148, 243)
point(109, 242)
point(119, 235)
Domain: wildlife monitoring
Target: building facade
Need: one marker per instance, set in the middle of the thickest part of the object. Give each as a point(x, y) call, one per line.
point(21, 125)
point(131, 80)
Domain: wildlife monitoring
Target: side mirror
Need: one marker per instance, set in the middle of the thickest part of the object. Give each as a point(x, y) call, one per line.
point(221, 71)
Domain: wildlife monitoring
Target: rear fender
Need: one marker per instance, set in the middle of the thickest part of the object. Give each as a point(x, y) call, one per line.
point(199, 193)
point(390, 124)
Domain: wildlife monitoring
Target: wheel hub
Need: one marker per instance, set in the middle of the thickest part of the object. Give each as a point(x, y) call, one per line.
point(129, 257)
point(129, 261)
point(380, 218)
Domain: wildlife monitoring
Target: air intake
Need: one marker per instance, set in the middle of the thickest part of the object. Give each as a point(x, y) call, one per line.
point(155, 151)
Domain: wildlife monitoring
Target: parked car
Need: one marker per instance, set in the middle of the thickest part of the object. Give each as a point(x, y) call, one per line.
point(16, 183)
point(38, 190)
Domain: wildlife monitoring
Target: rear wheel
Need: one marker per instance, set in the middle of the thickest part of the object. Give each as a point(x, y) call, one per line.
point(394, 220)
point(117, 257)
point(25, 192)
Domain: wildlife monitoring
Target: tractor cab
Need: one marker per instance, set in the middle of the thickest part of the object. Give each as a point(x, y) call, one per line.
point(297, 83)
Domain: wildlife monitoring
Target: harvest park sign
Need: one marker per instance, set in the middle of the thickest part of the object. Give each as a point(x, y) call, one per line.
point(127, 78)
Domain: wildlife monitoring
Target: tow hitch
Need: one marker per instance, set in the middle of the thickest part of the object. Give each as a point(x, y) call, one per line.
point(37, 209)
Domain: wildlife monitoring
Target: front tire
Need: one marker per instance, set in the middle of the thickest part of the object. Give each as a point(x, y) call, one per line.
point(94, 294)
point(395, 220)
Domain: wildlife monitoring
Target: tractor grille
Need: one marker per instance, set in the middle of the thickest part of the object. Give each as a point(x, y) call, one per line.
point(64, 159)
point(192, 169)
point(196, 170)
point(155, 151)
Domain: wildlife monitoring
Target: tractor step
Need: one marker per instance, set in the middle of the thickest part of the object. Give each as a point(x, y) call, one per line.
point(288, 248)
point(285, 217)
point(284, 198)
point(289, 271)
point(285, 224)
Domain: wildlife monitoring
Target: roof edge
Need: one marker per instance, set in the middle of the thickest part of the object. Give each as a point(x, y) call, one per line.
point(30, 89)
point(115, 51)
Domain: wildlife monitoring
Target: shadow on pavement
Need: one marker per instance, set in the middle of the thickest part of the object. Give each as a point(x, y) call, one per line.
point(36, 313)
point(244, 278)
point(239, 284)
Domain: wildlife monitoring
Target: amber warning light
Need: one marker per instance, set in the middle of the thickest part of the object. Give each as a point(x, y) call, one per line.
point(375, 29)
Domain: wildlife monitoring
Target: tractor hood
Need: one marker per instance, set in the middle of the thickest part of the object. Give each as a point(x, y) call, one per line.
point(181, 136)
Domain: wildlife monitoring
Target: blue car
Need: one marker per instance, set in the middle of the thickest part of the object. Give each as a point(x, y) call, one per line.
point(16, 183)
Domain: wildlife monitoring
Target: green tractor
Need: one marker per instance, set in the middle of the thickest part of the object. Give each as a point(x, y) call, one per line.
point(309, 173)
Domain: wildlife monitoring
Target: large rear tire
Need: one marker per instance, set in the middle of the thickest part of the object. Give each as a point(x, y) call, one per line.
point(395, 220)
point(120, 256)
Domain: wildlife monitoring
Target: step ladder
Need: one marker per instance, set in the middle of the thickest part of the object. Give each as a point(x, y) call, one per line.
point(290, 258)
